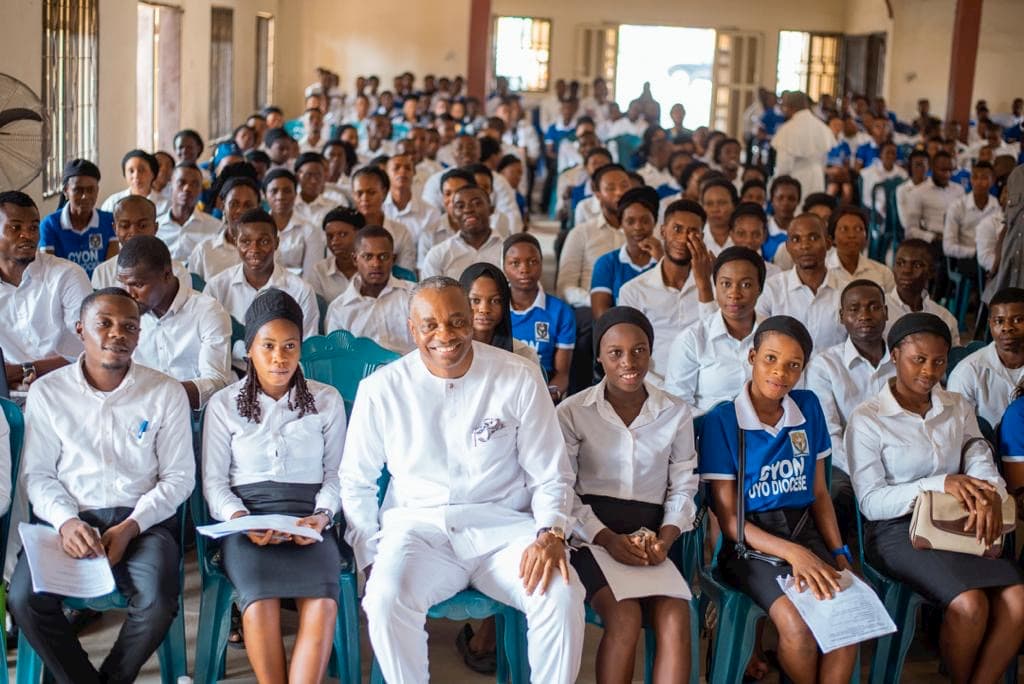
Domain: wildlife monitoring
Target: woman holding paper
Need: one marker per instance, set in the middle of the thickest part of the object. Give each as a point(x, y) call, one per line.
point(776, 436)
point(907, 440)
point(272, 444)
point(631, 445)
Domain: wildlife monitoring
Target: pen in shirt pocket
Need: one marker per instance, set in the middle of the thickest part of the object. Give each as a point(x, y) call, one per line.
point(143, 426)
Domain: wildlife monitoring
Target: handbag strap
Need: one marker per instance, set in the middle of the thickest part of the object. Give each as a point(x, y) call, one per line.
point(741, 496)
point(968, 444)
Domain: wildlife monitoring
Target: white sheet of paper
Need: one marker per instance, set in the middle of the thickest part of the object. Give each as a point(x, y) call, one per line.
point(853, 615)
point(637, 581)
point(246, 523)
point(55, 572)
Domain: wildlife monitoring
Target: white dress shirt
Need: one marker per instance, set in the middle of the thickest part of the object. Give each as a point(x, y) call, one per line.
point(707, 365)
point(712, 244)
point(653, 459)
point(433, 235)
point(959, 237)
point(868, 269)
point(802, 144)
point(871, 176)
point(282, 447)
point(923, 213)
point(897, 309)
point(191, 342)
point(894, 454)
point(587, 209)
point(182, 239)
point(105, 275)
point(326, 280)
point(472, 457)
point(235, 294)
point(37, 318)
point(210, 257)
point(986, 383)
point(384, 318)
point(86, 449)
point(669, 310)
point(451, 257)
point(584, 245)
point(656, 177)
point(417, 216)
point(405, 244)
point(786, 294)
point(300, 245)
point(161, 202)
point(986, 237)
point(843, 380)
point(314, 212)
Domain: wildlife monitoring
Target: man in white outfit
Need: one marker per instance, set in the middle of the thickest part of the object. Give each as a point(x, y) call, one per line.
point(802, 144)
point(480, 494)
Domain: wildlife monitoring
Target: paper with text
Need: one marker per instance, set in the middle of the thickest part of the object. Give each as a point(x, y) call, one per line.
point(637, 581)
point(248, 523)
point(853, 615)
point(55, 572)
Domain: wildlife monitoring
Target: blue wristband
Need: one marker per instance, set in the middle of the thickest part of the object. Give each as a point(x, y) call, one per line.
point(843, 550)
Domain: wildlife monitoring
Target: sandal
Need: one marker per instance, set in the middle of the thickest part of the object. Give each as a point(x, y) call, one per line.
point(235, 637)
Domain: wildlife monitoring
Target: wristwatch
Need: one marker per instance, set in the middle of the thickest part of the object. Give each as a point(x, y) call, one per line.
point(843, 550)
point(329, 515)
point(27, 369)
point(557, 532)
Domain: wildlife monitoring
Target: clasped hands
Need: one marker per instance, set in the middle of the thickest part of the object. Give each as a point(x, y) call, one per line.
point(983, 505)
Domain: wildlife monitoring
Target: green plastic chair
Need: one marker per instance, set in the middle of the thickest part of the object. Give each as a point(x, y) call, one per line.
point(237, 331)
point(627, 145)
point(959, 300)
point(16, 423)
point(321, 304)
point(198, 284)
point(172, 651)
point(342, 360)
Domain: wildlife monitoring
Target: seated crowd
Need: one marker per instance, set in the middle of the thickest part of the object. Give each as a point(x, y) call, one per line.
point(531, 438)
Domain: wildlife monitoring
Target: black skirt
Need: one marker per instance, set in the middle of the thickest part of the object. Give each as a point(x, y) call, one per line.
point(939, 576)
point(280, 570)
point(621, 516)
point(756, 578)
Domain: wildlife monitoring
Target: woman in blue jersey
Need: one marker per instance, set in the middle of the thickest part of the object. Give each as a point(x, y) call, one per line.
point(789, 525)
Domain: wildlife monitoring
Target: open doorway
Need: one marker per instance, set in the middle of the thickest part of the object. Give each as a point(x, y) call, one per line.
point(158, 74)
point(676, 61)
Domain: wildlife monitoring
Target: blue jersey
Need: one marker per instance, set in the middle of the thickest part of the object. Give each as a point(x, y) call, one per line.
point(88, 248)
point(615, 269)
point(1011, 433)
point(771, 119)
point(780, 467)
point(548, 325)
point(867, 153)
point(839, 155)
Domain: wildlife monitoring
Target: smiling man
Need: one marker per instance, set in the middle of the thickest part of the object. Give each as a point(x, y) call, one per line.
point(375, 304)
point(475, 241)
point(107, 471)
point(481, 503)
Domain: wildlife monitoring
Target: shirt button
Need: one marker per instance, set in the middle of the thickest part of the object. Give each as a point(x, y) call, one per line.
point(453, 529)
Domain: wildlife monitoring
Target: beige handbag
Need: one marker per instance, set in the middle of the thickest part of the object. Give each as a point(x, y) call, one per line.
point(939, 519)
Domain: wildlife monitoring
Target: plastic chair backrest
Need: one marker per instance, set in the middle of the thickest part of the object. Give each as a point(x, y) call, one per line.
point(198, 284)
point(958, 354)
point(321, 304)
point(403, 273)
point(342, 360)
point(237, 331)
point(16, 423)
point(627, 145)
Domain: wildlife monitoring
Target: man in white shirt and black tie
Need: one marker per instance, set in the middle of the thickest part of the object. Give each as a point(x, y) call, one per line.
point(108, 461)
point(480, 492)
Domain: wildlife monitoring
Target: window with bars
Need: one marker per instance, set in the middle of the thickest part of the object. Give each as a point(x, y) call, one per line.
point(70, 84)
point(222, 21)
point(809, 62)
point(522, 52)
point(264, 60)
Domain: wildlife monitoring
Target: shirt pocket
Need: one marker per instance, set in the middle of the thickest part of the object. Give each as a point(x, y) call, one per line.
point(302, 449)
point(136, 444)
point(492, 451)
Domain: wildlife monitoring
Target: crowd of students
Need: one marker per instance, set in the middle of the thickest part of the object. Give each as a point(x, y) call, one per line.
point(518, 424)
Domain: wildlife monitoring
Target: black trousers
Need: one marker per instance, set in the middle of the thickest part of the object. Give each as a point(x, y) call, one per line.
point(843, 501)
point(147, 576)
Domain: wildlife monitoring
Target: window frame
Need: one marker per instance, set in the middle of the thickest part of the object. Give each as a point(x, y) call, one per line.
point(266, 68)
point(546, 87)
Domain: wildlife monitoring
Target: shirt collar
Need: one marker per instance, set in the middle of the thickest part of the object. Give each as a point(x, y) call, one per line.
point(79, 374)
point(716, 327)
point(656, 402)
point(793, 281)
point(746, 416)
point(625, 258)
point(888, 406)
point(851, 354)
point(352, 292)
point(65, 220)
point(541, 302)
point(491, 240)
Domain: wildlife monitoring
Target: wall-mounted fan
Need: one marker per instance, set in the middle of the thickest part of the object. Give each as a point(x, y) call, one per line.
point(23, 134)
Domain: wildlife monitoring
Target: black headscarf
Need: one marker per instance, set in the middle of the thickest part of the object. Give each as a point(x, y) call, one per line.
point(622, 314)
point(503, 333)
point(918, 322)
point(270, 305)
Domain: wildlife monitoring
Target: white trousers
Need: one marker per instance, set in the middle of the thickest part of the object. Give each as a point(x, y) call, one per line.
point(417, 568)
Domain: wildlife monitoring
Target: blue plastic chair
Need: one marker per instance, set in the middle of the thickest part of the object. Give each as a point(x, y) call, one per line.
point(237, 331)
point(172, 652)
point(403, 274)
point(198, 284)
point(342, 360)
point(887, 234)
point(16, 423)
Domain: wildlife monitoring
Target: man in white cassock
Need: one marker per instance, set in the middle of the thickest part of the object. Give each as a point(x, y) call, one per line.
point(480, 495)
point(802, 144)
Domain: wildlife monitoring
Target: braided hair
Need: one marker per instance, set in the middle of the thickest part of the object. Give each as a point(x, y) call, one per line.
point(248, 402)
